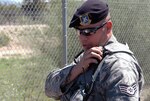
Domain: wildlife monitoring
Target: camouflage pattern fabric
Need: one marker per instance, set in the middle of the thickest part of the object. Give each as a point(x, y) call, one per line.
point(120, 78)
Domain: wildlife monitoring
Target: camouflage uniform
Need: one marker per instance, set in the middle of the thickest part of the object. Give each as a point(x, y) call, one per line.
point(120, 78)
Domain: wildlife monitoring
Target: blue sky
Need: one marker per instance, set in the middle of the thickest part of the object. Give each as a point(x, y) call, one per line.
point(17, 2)
point(10, 1)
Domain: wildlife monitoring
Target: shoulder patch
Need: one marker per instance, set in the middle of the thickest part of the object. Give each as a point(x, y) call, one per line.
point(128, 90)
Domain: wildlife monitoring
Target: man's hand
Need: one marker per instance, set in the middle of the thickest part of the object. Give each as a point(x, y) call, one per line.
point(90, 56)
point(93, 55)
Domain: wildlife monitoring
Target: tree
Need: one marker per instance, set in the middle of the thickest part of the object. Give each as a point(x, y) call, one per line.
point(8, 13)
point(34, 8)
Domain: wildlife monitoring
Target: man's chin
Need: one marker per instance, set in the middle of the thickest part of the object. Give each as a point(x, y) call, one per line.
point(86, 48)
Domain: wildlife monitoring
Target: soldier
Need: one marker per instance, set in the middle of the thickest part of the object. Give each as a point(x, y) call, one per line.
point(119, 78)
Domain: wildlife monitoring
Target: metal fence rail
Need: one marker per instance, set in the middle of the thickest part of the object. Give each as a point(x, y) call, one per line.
point(34, 40)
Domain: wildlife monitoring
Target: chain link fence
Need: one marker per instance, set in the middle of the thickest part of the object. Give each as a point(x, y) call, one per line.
point(31, 42)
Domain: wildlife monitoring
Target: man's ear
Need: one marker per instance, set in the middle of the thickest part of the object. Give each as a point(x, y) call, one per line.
point(109, 26)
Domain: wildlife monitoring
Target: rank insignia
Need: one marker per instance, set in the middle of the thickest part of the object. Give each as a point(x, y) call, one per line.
point(84, 19)
point(128, 90)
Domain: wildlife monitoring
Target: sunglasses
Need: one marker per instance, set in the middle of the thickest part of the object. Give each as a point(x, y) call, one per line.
point(90, 31)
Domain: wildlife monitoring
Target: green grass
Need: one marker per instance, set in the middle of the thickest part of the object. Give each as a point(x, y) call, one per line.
point(10, 78)
point(23, 79)
point(4, 40)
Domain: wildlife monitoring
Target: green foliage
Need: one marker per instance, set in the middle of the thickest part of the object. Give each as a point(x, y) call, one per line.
point(23, 79)
point(8, 7)
point(8, 13)
point(4, 40)
point(11, 78)
point(34, 9)
point(34, 78)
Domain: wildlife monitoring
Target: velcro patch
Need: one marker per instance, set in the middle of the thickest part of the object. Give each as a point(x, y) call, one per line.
point(128, 90)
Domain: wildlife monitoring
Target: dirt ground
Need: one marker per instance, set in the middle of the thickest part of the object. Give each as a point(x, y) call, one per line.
point(15, 47)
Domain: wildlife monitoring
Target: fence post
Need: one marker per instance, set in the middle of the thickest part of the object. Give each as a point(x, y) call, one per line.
point(64, 21)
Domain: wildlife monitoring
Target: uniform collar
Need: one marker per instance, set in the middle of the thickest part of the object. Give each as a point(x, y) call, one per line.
point(111, 40)
point(113, 46)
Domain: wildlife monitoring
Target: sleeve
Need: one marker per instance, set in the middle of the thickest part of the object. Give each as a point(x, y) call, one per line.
point(54, 81)
point(122, 82)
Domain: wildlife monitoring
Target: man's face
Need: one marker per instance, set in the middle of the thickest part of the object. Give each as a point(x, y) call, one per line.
point(92, 35)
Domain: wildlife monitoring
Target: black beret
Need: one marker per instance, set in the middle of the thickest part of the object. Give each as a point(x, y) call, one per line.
point(90, 12)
